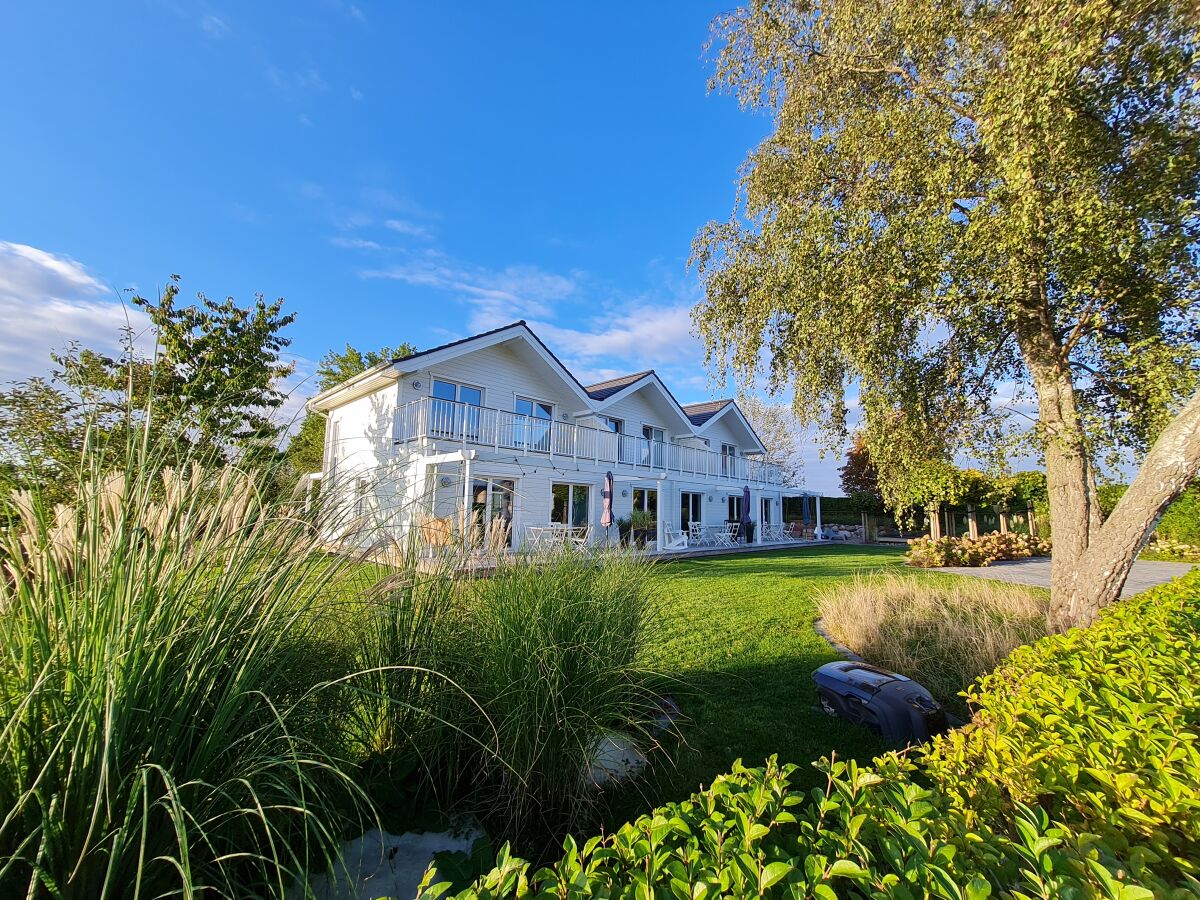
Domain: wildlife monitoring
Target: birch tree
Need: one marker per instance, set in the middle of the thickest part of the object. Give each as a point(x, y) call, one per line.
point(958, 197)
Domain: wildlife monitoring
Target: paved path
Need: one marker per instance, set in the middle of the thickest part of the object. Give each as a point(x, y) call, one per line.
point(1036, 571)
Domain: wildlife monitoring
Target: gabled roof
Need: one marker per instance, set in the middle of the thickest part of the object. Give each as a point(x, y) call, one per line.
point(602, 390)
point(700, 413)
point(704, 414)
point(596, 397)
point(375, 377)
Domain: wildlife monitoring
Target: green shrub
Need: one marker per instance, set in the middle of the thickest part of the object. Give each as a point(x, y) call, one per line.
point(926, 552)
point(1100, 727)
point(545, 652)
point(160, 723)
point(1172, 551)
point(1078, 777)
point(1180, 522)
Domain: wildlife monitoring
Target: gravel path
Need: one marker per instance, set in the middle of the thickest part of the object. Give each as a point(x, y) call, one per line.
point(1036, 571)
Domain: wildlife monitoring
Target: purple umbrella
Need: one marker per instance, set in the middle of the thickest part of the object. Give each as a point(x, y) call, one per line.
point(606, 514)
point(746, 512)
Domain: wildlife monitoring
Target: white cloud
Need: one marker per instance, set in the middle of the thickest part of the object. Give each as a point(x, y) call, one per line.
point(356, 13)
point(304, 120)
point(357, 95)
point(402, 226)
point(46, 302)
point(214, 26)
point(354, 243)
point(296, 81)
point(496, 297)
point(646, 335)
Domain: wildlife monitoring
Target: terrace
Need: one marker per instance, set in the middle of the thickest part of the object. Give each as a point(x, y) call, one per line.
point(449, 423)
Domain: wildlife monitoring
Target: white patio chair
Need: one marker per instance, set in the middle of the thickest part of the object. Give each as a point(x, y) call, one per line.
point(698, 536)
point(579, 538)
point(727, 536)
point(674, 540)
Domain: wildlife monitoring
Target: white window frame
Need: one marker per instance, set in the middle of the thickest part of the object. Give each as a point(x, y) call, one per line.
point(571, 485)
point(728, 452)
point(459, 384)
point(648, 456)
point(699, 504)
point(459, 422)
point(536, 440)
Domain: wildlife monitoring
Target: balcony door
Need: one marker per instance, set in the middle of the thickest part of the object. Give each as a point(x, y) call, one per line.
point(615, 450)
point(533, 426)
point(729, 460)
point(653, 450)
point(454, 411)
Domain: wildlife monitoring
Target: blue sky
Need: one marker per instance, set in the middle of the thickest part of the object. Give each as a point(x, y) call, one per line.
point(395, 171)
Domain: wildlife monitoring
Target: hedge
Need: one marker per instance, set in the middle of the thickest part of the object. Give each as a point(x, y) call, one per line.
point(1180, 522)
point(1079, 776)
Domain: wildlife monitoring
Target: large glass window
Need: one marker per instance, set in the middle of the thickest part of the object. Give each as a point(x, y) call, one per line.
point(728, 459)
point(455, 409)
point(690, 509)
point(765, 517)
point(652, 450)
point(569, 505)
point(735, 508)
point(615, 448)
point(535, 427)
point(646, 500)
point(492, 511)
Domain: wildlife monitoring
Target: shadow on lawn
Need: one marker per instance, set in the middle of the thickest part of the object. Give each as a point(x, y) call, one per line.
point(747, 712)
point(812, 562)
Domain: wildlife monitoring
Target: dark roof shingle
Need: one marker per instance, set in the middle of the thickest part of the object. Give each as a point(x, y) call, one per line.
point(602, 390)
point(700, 413)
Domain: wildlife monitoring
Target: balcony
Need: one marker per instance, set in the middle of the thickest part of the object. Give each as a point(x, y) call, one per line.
point(449, 422)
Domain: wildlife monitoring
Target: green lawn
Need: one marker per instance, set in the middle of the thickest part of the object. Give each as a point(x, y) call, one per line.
point(738, 644)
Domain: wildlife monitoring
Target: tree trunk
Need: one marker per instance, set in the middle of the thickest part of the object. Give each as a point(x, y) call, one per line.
point(1069, 480)
point(1169, 467)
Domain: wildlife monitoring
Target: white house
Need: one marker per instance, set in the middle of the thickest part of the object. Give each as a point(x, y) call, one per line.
point(494, 429)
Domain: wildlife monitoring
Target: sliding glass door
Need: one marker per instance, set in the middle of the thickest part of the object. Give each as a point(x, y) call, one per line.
point(492, 511)
point(570, 505)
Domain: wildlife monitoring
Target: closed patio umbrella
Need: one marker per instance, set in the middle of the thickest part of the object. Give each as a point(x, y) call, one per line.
point(746, 513)
point(606, 513)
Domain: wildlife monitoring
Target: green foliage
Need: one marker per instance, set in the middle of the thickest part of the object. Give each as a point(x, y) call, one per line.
point(211, 384)
point(860, 479)
point(161, 724)
point(306, 449)
point(840, 511)
point(642, 519)
point(546, 653)
point(956, 197)
point(1180, 523)
point(1099, 727)
point(336, 366)
point(1079, 777)
point(926, 552)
